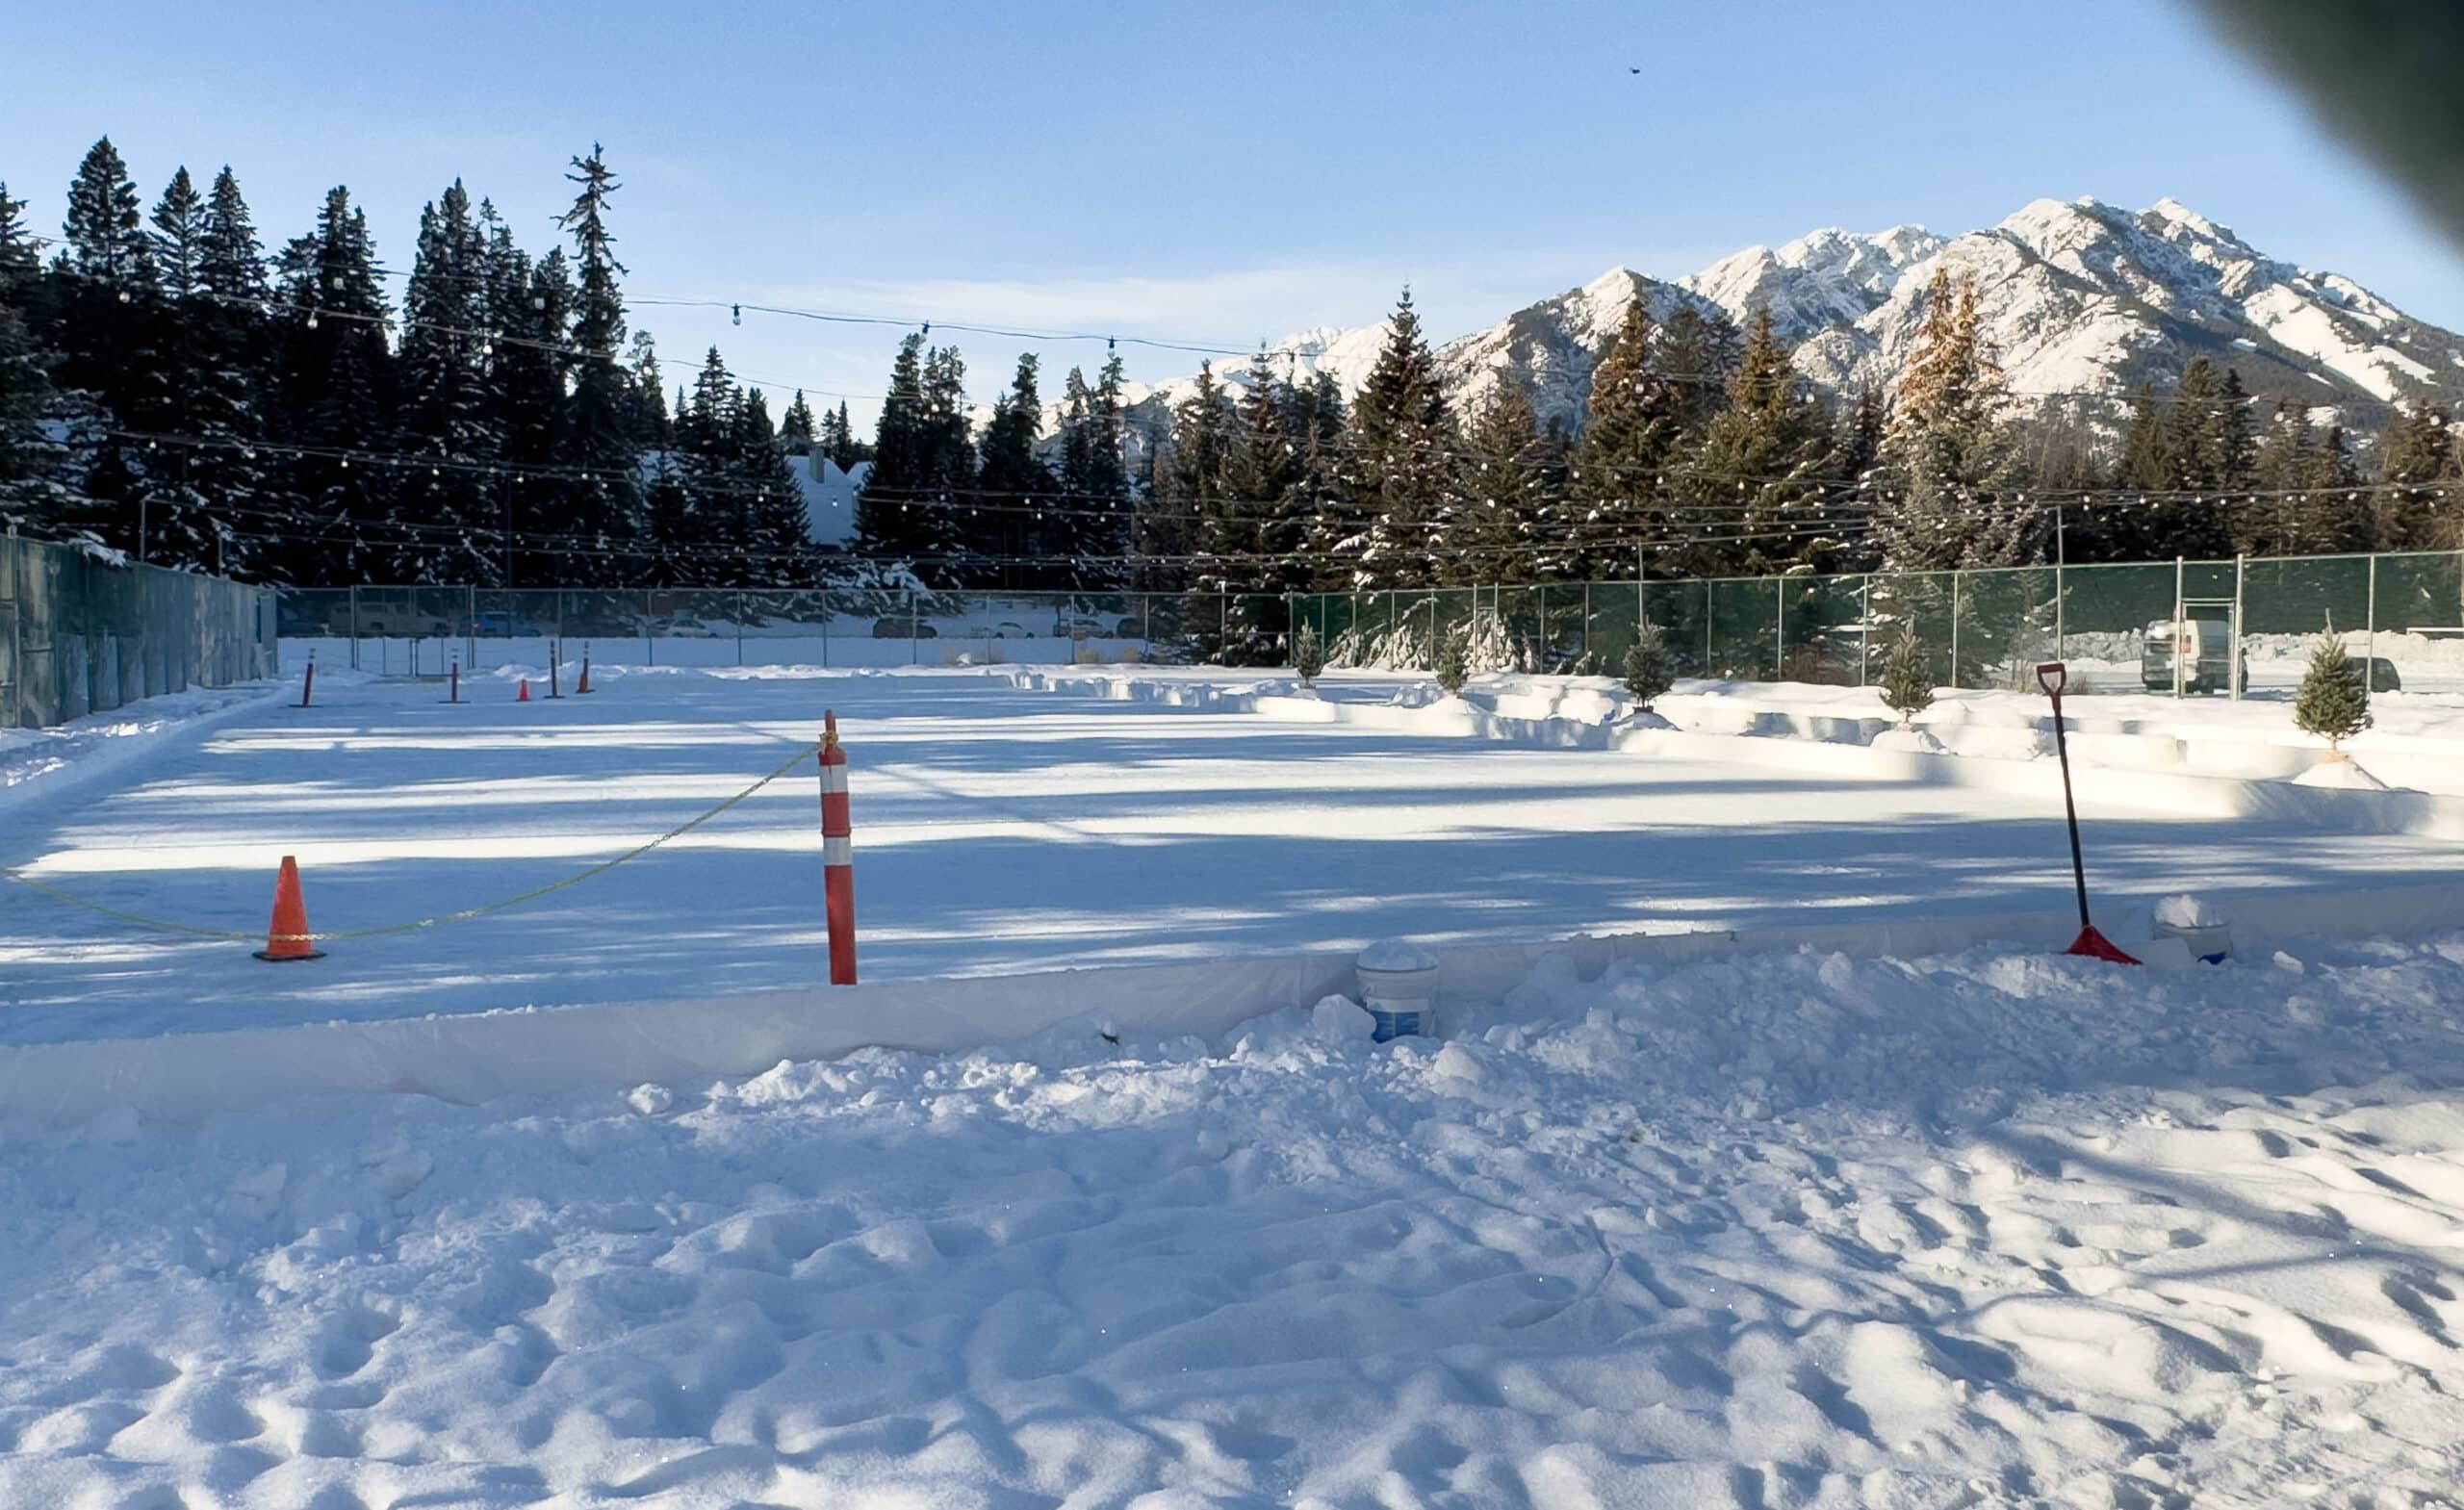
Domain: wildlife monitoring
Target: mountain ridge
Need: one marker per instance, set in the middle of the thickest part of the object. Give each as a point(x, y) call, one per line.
point(2077, 298)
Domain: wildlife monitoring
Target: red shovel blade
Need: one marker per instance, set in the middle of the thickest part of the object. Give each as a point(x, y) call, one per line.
point(2096, 946)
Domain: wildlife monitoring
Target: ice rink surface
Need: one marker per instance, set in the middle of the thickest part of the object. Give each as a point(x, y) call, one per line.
point(996, 829)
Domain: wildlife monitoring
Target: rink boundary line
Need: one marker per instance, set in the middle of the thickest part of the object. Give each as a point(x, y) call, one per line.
point(2174, 793)
point(477, 1057)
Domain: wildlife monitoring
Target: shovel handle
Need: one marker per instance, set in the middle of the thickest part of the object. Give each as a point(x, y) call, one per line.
point(2053, 675)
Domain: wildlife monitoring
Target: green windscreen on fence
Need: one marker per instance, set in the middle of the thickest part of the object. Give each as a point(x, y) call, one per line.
point(85, 632)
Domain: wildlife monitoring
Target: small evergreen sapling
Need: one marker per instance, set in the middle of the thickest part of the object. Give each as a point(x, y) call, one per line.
point(1454, 659)
point(1308, 655)
point(1646, 667)
point(1907, 677)
point(2334, 701)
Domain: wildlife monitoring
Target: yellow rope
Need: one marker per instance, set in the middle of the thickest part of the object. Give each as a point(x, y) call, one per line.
point(466, 914)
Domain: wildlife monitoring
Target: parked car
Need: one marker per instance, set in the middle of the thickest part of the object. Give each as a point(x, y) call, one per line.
point(505, 626)
point(2203, 648)
point(899, 627)
point(1070, 624)
point(685, 626)
point(1008, 629)
point(1131, 628)
point(2381, 670)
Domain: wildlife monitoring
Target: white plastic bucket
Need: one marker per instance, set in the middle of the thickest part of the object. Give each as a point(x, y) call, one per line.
point(1399, 985)
point(2209, 942)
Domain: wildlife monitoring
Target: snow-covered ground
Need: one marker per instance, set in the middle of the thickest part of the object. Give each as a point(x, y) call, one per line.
point(996, 829)
point(1775, 1231)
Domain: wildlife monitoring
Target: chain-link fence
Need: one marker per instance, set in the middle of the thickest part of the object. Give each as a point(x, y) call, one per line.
point(424, 631)
point(83, 634)
point(2118, 626)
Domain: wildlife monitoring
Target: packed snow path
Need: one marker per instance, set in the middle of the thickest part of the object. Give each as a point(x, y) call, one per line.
point(1775, 1233)
point(995, 829)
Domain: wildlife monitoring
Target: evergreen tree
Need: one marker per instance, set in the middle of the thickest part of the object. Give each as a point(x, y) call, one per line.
point(1508, 508)
point(530, 306)
point(598, 431)
point(1190, 513)
point(1698, 354)
point(774, 534)
point(796, 430)
point(2419, 502)
point(2334, 700)
point(1092, 532)
point(1646, 671)
point(33, 494)
point(1617, 492)
point(888, 522)
point(2202, 450)
point(1946, 456)
point(105, 243)
point(2336, 514)
point(110, 320)
point(446, 413)
point(1265, 521)
point(1402, 482)
point(336, 381)
point(1014, 480)
point(671, 523)
point(1754, 474)
point(845, 450)
point(1908, 676)
point(1320, 423)
point(232, 337)
point(179, 221)
point(652, 429)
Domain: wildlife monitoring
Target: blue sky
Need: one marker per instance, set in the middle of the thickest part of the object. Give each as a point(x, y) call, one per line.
point(1224, 173)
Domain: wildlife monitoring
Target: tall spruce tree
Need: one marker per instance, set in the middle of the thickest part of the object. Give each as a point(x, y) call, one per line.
point(1946, 456)
point(1402, 482)
point(446, 418)
point(2419, 507)
point(1509, 515)
point(1617, 492)
point(888, 509)
point(1014, 480)
point(1183, 534)
point(1090, 536)
point(598, 433)
point(335, 379)
point(1698, 353)
point(1759, 507)
point(796, 429)
point(110, 315)
point(33, 495)
point(648, 417)
point(774, 534)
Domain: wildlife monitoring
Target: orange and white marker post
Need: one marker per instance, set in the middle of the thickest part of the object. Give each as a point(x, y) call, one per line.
point(308, 683)
point(838, 854)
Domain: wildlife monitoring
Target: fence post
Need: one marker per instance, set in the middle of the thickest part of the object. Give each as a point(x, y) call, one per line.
point(2180, 690)
point(1707, 627)
point(1865, 623)
point(2369, 643)
point(355, 629)
point(1780, 629)
point(739, 628)
point(2061, 646)
point(1955, 627)
point(914, 629)
point(2233, 670)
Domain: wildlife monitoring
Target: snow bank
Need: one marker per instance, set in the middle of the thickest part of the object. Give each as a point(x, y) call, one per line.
point(1579, 717)
point(1788, 1229)
point(479, 1056)
point(47, 764)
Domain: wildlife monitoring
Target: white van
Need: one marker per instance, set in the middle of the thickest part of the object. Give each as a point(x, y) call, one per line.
point(2203, 648)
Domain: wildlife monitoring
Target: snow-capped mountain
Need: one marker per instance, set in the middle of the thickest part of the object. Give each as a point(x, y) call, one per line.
point(2086, 296)
point(2077, 297)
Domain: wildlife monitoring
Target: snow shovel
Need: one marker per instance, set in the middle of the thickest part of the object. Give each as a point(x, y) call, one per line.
point(2053, 676)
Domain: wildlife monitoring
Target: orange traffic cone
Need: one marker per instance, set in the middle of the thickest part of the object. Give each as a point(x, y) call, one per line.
point(287, 938)
point(525, 695)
